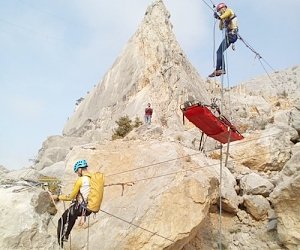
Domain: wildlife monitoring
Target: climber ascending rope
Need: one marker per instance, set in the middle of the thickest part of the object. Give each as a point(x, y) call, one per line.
point(228, 21)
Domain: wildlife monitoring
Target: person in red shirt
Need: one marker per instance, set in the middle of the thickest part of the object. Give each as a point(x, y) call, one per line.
point(148, 114)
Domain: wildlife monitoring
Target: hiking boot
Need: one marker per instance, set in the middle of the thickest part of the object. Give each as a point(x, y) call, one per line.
point(217, 72)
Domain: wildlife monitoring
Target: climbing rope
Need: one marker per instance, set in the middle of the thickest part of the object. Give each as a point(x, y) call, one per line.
point(257, 55)
point(220, 197)
point(203, 167)
point(88, 234)
point(212, 8)
point(145, 229)
point(153, 233)
point(182, 157)
point(154, 164)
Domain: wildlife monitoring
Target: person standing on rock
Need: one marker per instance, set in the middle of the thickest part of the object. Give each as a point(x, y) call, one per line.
point(78, 206)
point(228, 21)
point(148, 114)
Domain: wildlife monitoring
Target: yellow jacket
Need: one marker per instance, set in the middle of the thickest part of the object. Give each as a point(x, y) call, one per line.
point(82, 186)
point(228, 17)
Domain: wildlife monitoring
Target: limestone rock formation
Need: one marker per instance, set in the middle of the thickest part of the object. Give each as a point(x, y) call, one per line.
point(255, 184)
point(55, 149)
point(286, 202)
point(3, 170)
point(25, 219)
point(151, 68)
point(153, 198)
point(161, 191)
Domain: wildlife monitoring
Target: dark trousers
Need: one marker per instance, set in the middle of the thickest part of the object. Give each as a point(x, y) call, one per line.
point(68, 219)
point(229, 39)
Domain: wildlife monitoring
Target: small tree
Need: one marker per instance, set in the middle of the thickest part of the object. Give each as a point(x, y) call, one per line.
point(79, 101)
point(124, 127)
point(137, 122)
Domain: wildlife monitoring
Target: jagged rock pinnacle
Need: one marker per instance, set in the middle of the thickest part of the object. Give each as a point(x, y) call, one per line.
point(151, 68)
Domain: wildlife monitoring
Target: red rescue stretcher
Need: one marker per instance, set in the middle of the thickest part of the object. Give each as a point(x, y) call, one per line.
point(218, 128)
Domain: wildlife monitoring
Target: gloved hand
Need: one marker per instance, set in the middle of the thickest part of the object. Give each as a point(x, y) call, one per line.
point(216, 15)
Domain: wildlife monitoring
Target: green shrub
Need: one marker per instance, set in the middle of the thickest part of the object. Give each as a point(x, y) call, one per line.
point(125, 125)
point(137, 122)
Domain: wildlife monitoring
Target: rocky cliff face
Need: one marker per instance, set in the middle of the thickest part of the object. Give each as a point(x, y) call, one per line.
point(162, 192)
point(151, 68)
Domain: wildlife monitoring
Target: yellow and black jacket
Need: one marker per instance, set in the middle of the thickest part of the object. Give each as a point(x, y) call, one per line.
point(228, 20)
point(80, 191)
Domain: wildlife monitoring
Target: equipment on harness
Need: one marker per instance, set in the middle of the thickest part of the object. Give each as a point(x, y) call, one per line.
point(80, 164)
point(216, 15)
point(228, 21)
point(217, 127)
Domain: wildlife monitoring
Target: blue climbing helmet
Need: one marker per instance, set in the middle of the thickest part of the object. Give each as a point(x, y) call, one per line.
point(80, 164)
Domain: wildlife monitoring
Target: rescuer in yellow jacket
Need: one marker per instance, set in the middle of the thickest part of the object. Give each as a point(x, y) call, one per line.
point(228, 21)
point(78, 207)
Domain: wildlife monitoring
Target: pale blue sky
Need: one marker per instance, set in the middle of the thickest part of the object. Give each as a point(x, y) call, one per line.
point(53, 52)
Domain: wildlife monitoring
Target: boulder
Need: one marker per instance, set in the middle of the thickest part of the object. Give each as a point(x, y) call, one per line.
point(55, 149)
point(257, 205)
point(286, 202)
point(255, 184)
point(25, 217)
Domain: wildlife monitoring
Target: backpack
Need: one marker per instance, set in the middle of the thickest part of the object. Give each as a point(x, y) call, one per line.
point(95, 195)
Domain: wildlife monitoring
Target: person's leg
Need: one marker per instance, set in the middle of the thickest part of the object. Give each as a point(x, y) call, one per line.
point(61, 227)
point(147, 119)
point(220, 67)
point(220, 53)
point(75, 211)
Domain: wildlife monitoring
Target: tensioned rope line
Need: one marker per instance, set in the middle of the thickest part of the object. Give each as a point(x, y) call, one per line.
point(220, 239)
point(40, 34)
point(150, 165)
point(197, 168)
point(228, 84)
point(209, 165)
point(174, 159)
point(206, 166)
point(209, 5)
point(145, 229)
point(260, 58)
point(154, 233)
point(247, 45)
point(42, 11)
point(223, 44)
point(214, 44)
point(181, 157)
